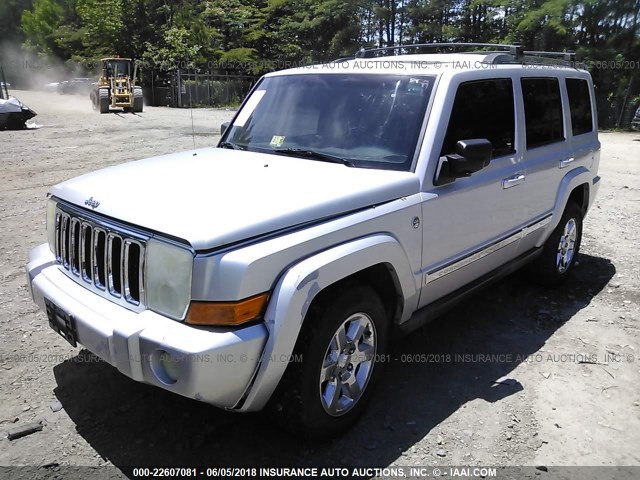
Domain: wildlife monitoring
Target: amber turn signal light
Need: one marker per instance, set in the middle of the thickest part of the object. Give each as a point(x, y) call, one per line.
point(227, 313)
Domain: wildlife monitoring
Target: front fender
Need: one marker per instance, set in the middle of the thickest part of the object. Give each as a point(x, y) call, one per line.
point(297, 288)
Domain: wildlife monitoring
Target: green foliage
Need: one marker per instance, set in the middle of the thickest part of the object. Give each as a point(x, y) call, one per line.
point(255, 37)
point(53, 28)
point(103, 26)
point(41, 23)
point(176, 50)
point(10, 17)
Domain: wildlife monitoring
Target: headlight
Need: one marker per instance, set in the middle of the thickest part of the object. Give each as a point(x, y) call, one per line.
point(169, 269)
point(51, 224)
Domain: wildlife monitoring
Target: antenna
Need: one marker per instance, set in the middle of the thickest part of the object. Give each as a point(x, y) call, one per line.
point(193, 132)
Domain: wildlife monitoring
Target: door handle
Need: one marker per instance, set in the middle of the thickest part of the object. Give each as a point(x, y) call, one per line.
point(566, 162)
point(512, 181)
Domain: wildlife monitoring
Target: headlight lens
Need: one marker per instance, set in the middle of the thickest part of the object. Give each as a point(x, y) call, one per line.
point(169, 269)
point(51, 224)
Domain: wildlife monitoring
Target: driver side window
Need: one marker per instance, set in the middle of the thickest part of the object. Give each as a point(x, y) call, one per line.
point(483, 109)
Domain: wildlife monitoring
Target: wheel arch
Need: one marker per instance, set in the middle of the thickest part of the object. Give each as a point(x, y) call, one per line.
point(580, 196)
point(382, 277)
point(574, 187)
point(377, 260)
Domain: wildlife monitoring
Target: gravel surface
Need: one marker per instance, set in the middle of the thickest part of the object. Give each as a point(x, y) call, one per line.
point(518, 375)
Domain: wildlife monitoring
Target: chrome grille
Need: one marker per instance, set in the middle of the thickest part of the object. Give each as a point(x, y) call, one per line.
point(101, 257)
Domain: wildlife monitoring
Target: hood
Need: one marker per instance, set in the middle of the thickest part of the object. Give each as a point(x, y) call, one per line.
point(212, 197)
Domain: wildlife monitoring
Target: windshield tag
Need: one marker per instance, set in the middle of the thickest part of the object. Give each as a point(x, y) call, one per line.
point(277, 141)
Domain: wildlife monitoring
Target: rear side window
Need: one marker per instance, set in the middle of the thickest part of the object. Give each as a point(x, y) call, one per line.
point(542, 111)
point(580, 106)
point(483, 109)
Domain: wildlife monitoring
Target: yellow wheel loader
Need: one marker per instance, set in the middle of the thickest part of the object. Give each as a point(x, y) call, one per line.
point(116, 87)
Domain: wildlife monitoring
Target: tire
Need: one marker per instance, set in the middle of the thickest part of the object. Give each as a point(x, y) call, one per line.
point(555, 263)
point(103, 96)
point(137, 100)
point(334, 332)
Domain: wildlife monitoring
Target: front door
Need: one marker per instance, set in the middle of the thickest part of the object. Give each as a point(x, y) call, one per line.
point(471, 226)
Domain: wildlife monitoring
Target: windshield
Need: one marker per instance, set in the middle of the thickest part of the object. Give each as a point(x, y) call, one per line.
point(118, 68)
point(367, 120)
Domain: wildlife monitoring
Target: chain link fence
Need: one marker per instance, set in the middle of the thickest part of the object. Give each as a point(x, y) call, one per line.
point(185, 89)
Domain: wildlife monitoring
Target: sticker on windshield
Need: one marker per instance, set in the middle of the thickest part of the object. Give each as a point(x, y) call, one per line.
point(248, 108)
point(277, 141)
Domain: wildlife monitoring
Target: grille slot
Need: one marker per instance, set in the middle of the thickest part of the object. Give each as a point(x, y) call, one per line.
point(74, 240)
point(114, 264)
point(86, 255)
point(101, 257)
point(64, 240)
point(133, 269)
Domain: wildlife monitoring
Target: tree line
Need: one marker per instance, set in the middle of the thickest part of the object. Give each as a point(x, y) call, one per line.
point(255, 37)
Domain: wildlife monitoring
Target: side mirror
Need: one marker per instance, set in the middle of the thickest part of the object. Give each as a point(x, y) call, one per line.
point(223, 127)
point(471, 155)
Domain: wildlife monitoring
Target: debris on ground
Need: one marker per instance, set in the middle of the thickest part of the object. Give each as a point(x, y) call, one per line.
point(24, 430)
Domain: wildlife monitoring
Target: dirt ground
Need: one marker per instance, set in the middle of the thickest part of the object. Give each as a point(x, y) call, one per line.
point(551, 377)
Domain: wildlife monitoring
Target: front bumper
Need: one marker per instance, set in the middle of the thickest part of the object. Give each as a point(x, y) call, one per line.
point(211, 365)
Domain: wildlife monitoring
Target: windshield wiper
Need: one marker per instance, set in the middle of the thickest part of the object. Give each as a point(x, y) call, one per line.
point(324, 157)
point(231, 145)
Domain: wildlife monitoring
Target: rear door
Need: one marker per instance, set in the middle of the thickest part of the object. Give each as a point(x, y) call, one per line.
point(560, 134)
point(584, 131)
point(546, 143)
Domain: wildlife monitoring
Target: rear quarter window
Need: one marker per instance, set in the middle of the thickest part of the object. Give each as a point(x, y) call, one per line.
point(580, 106)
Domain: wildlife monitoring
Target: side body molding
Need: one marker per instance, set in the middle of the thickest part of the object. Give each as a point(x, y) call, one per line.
point(297, 288)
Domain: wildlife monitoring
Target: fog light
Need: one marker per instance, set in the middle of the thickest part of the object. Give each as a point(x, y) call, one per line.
point(165, 366)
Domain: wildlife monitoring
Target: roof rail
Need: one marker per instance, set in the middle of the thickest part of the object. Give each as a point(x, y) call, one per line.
point(342, 59)
point(514, 49)
point(567, 56)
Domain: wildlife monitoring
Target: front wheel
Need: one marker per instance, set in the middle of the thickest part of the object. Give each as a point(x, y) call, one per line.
point(103, 99)
point(335, 365)
point(137, 100)
point(560, 250)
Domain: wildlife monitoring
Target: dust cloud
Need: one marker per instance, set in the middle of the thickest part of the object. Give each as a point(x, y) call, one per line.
point(25, 70)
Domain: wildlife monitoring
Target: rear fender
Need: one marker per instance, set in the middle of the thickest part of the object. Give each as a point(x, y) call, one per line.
point(573, 179)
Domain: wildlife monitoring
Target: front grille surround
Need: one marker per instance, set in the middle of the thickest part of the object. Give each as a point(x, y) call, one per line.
point(106, 258)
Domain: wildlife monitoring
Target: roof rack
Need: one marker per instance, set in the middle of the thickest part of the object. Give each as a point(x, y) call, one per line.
point(567, 56)
point(501, 52)
point(514, 49)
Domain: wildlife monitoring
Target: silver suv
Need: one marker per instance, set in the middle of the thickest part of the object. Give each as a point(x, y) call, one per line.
point(344, 202)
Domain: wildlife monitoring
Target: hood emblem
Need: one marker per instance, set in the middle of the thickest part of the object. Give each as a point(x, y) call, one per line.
point(90, 202)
